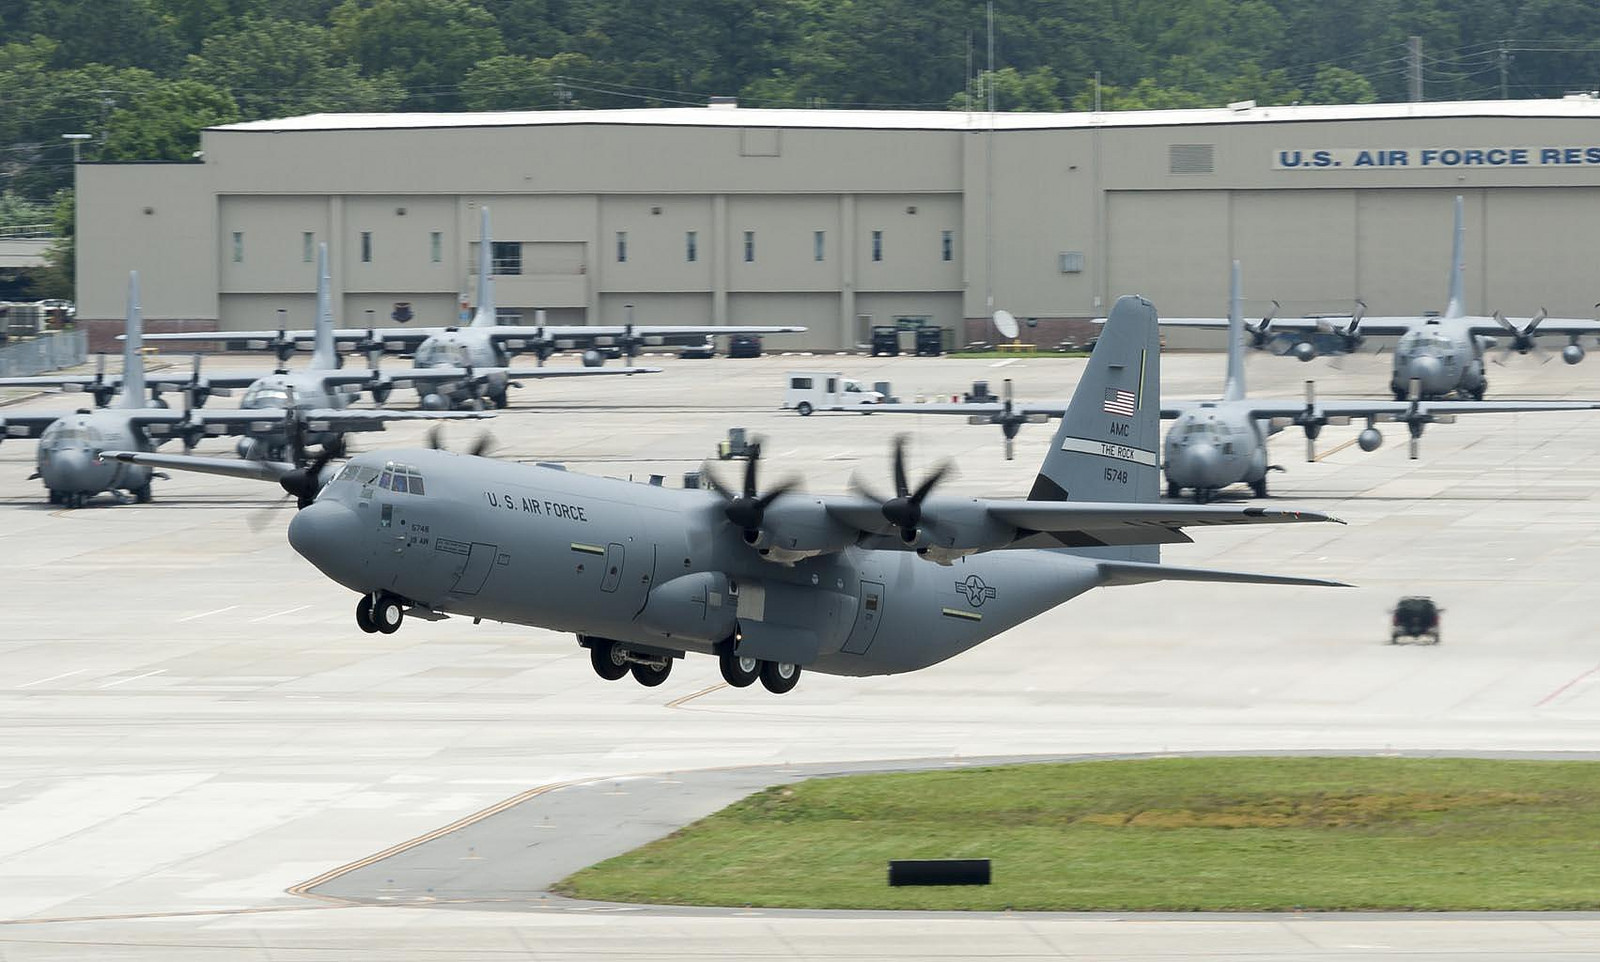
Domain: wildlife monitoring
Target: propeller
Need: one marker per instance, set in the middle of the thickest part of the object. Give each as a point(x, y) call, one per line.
point(1311, 420)
point(198, 390)
point(1261, 334)
point(1522, 340)
point(480, 447)
point(1415, 419)
point(746, 508)
point(102, 391)
point(904, 510)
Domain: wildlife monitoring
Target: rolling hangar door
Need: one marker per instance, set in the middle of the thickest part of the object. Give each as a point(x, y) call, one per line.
point(817, 311)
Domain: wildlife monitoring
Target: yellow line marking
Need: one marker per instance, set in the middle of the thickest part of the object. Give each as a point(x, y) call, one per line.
point(1335, 450)
point(258, 910)
point(680, 702)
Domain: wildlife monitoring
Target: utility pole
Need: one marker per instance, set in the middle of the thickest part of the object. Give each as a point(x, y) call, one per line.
point(1414, 66)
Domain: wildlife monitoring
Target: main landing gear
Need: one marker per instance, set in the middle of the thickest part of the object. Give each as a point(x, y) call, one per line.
point(612, 660)
point(379, 613)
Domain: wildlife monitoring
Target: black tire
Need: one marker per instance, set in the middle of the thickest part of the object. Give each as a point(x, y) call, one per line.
point(1399, 395)
point(1259, 488)
point(364, 615)
point(805, 408)
point(55, 497)
point(606, 658)
point(387, 614)
point(779, 677)
point(650, 676)
point(740, 672)
point(1174, 490)
point(142, 495)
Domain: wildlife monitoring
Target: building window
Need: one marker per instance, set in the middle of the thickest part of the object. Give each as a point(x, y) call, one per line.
point(749, 246)
point(877, 245)
point(238, 247)
point(435, 246)
point(947, 245)
point(505, 257)
point(819, 245)
point(308, 243)
point(691, 246)
point(366, 247)
point(622, 247)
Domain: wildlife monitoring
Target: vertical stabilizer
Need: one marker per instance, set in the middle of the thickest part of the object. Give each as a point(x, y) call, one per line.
point(1234, 390)
point(133, 349)
point(1106, 447)
point(1458, 264)
point(323, 355)
point(483, 316)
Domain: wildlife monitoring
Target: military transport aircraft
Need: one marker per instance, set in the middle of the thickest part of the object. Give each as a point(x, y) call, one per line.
point(482, 343)
point(1442, 355)
point(1214, 444)
point(769, 582)
point(70, 443)
point(322, 385)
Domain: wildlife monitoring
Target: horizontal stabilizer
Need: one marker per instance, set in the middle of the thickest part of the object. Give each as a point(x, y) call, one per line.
point(1138, 573)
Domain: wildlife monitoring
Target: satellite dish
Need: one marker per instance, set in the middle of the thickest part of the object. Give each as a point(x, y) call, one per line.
point(1005, 323)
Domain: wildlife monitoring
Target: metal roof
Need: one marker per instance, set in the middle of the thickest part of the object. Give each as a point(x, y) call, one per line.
point(1587, 107)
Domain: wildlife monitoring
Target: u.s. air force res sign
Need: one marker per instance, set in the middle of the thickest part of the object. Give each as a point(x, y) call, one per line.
point(1432, 158)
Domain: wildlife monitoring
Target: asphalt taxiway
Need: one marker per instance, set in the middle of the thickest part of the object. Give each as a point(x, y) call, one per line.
point(191, 726)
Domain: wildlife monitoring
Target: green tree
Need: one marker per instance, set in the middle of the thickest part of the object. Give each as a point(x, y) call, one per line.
point(428, 44)
point(116, 33)
point(58, 278)
point(520, 83)
point(1336, 85)
point(1013, 91)
point(281, 68)
point(166, 123)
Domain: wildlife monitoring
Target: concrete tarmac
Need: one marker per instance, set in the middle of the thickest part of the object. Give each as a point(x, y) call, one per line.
point(191, 724)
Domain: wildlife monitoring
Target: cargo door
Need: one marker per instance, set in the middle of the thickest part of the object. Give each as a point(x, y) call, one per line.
point(869, 614)
point(475, 571)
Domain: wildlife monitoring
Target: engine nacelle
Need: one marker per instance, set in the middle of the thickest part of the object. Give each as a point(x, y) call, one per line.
point(435, 402)
point(252, 449)
point(944, 542)
point(694, 607)
point(380, 391)
point(1572, 353)
point(793, 531)
point(593, 358)
point(1305, 351)
point(1370, 439)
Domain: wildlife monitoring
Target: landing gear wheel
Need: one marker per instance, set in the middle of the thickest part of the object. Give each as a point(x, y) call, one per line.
point(804, 407)
point(387, 614)
point(1174, 490)
point(779, 677)
point(1399, 395)
point(606, 657)
point(650, 676)
point(1201, 495)
point(739, 671)
point(364, 615)
point(500, 400)
point(142, 495)
point(1259, 488)
point(55, 497)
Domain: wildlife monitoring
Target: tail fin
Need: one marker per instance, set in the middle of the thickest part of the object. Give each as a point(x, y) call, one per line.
point(323, 355)
point(483, 315)
point(1458, 263)
point(1235, 387)
point(133, 349)
point(1106, 447)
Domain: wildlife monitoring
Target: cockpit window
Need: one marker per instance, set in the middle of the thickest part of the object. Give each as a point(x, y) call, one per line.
point(265, 396)
point(401, 478)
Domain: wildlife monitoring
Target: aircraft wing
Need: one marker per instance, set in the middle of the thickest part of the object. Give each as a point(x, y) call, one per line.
point(1388, 410)
point(1491, 326)
point(1033, 410)
point(18, 425)
point(227, 467)
point(163, 423)
point(1305, 325)
point(395, 340)
point(576, 336)
point(1140, 572)
point(66, 382)
point(408, 377)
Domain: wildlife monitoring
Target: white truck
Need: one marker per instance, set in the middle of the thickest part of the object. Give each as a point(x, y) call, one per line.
point(809, 391)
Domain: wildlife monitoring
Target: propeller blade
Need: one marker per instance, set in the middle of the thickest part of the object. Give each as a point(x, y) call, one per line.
point(1011, 449)
point(481, 447)
point(902, 487)
point(932, 481)
point(715, 483)
point(436, 437)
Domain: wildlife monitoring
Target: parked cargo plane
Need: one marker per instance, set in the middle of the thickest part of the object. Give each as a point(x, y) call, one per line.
point(321, 386)
point(1214, 444)
point(482, 343)
point(769, 582)
point(1443, 355)
point(70, 443)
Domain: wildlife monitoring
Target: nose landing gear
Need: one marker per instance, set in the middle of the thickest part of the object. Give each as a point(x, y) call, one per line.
point(379, 613)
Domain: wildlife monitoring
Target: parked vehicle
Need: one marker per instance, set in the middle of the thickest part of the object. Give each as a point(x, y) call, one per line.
point(1417, 618)
point(809, 391)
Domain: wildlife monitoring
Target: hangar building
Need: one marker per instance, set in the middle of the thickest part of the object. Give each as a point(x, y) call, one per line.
point(840, 219)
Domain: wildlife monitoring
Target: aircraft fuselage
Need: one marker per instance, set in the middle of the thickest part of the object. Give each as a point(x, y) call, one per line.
point(68, 456)
point(1443, 357)
point(1212, 446)
point(657, 569)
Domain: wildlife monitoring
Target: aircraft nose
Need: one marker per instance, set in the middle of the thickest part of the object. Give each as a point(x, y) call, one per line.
point(1426, 369)
point(1196, 466)
point(69, 470)
point(330, 536)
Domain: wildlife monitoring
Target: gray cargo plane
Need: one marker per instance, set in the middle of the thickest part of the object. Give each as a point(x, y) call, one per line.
point(1214, 444)
point(770, 583)
point(1442, 355)
point(481, 344)
point(70, 443)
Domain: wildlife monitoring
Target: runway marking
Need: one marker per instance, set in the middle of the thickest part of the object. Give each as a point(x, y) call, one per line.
point(680, 702)
point(259, 910)
point(65, 674)
point(123, 681)
point(277, 614)
point(1559, 691)
point(207, 614)
point(1337, 448)
point(1009, 360)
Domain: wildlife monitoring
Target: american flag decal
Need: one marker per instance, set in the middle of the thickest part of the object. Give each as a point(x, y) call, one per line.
point(1121, 402)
